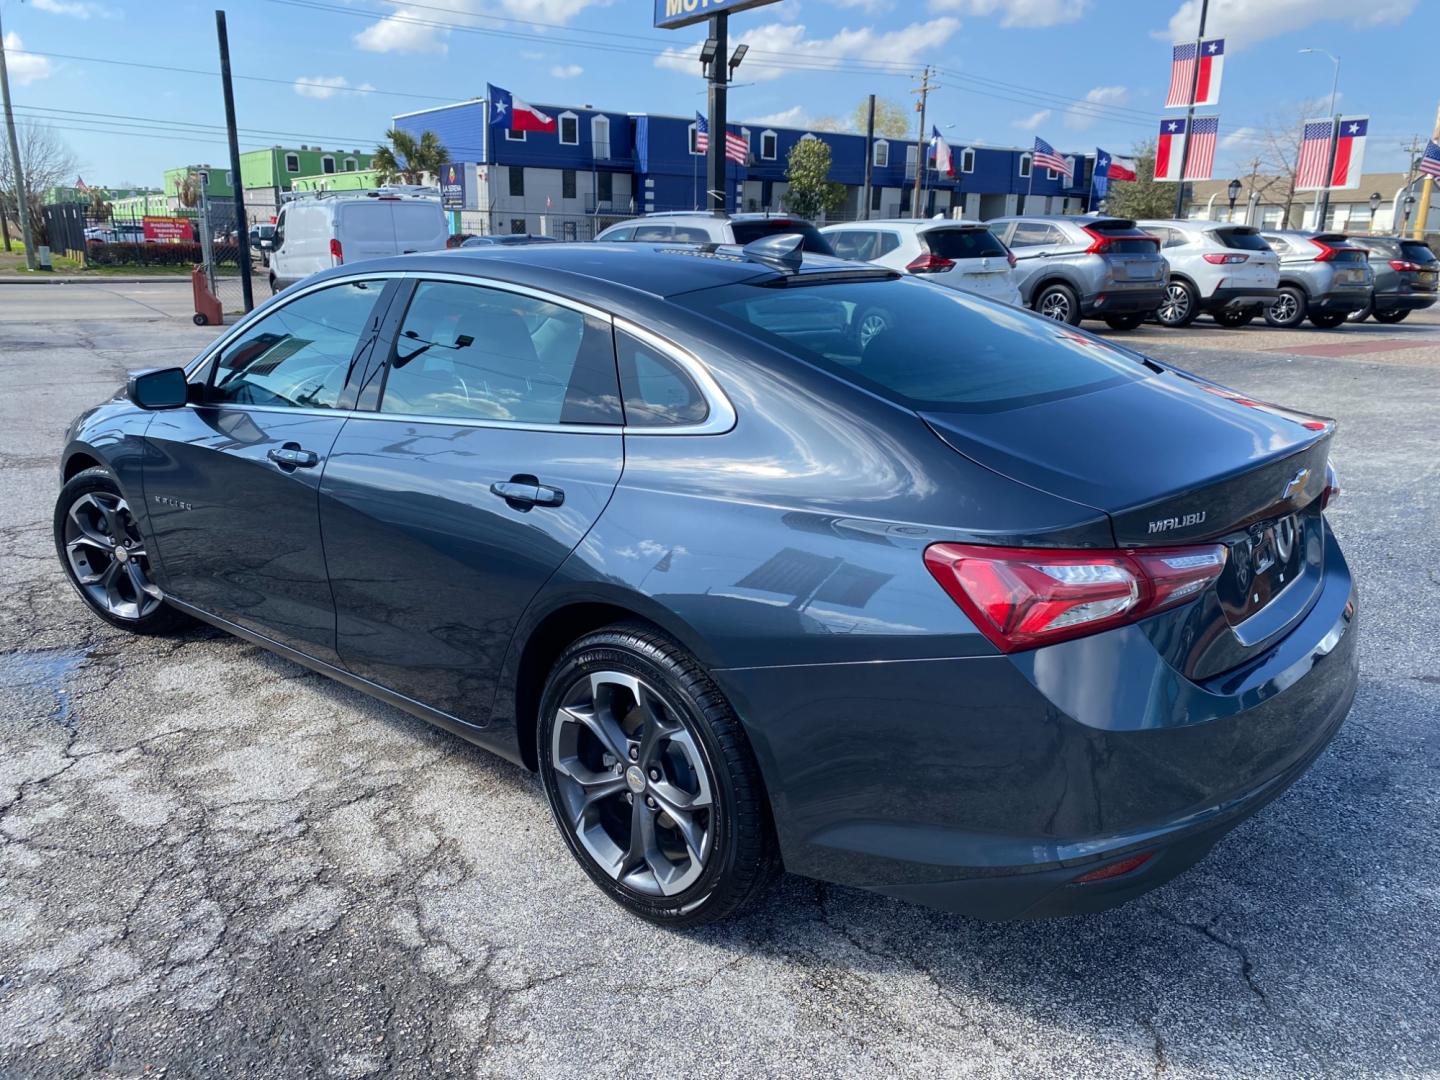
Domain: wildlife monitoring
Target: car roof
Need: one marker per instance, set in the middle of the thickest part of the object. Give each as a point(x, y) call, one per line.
point(692, 215)
point(914, 223)
point(1195, 223)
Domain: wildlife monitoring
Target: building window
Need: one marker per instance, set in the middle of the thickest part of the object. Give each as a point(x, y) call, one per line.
point(875, 194)
point(694, 139)
point(567, 183)
point(1070, 164)
point(769, 145)
point(882, 154)
point(910, 152)
point(967, 160)
point(600, 137)
point(569, 129)
point(517, 180)
point(327, 164)
point(605, 187)
point(351, 165)
point(292, 163)
point(1024, 165)
point(204, 176)
point(517, 226)
point(514, 136)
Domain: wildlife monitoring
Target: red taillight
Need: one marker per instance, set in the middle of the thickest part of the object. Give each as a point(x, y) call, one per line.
point(1332, 487)
point(1115, 869)
point(1327, 252)
point(336, 252)
point(1220, 259)
point(1404, 265)
point(1101, 242)
point(1021, 598)
point(930, 264)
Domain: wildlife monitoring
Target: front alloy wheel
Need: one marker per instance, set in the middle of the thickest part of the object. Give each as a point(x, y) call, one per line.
point(1179, 307)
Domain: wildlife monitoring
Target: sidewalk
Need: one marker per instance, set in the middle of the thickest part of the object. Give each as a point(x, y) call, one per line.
point(39, 277)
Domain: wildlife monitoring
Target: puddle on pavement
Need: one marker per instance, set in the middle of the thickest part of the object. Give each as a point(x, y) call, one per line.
point(42, 670)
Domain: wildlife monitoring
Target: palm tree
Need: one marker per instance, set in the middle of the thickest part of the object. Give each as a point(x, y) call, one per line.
point(407, 159)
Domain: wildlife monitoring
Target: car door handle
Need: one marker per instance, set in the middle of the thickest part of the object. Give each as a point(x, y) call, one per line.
point(525, 492)
point(291, 456)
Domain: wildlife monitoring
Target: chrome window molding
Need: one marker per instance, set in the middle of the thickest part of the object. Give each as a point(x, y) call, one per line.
point(721, 415)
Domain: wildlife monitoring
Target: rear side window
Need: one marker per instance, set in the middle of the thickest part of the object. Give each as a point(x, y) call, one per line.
point(749, 231)
point(654, 232)
point(963, 243)
point(688, 234)
point(1033, 234)
point(618, 235)
point(657, 392)
point(1242, 239)
point(1276, 243)
point(857, 244)
point(1417, 252)
point(934, 350)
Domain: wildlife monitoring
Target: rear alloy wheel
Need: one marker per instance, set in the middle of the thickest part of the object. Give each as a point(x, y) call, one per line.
point(1287, 310)
point(1129, 321)
point(1232, 317)
point(1180, 305)
point(651, 779)
point(1327, 322)
point(106, 558)
point(1058, 302)
point(1389, 317)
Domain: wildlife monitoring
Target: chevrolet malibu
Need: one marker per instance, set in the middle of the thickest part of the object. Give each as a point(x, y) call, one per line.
point(979, 611)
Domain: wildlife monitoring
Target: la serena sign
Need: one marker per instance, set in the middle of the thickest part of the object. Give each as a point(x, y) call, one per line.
point(672, 14)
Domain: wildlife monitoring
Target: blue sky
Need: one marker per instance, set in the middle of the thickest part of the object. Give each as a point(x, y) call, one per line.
point(332, 72)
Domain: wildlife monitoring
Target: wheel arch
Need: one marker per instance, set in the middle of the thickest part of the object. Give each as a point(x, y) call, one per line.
point(1050, 279)
point(77, 460)
point(1295, 283)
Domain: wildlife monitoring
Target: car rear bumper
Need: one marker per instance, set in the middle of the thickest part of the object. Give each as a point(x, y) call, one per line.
point(1413, 301)
point(1239, 296)
point(1337, 303)
point(1121, 301)
point(987, 785)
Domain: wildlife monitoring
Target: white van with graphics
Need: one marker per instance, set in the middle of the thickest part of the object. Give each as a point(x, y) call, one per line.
point(317, 232)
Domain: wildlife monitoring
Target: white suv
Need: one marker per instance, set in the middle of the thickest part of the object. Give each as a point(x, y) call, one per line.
point(961, 254)
point(1226, 270)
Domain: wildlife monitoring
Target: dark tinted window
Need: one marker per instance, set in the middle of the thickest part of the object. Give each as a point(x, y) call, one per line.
point(605, 183)
point(963, 243)
point(298, 356)
point(1132, 245)
point(517, 180)
point(746, 231)
point(1033, 234)
point(657, 392)
point(1417, 252)
point(857, 244)
point(1242, 239)
point(889, 241)
point(941, 350)
point(567, 183)
point(469, 352)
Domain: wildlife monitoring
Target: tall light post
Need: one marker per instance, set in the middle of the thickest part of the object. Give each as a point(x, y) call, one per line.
point(1234, 192)
point(1374, 205)
point(1409, 205)
point(1322, 194)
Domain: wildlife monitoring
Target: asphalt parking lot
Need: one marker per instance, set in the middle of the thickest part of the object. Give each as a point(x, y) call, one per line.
point(214, 863)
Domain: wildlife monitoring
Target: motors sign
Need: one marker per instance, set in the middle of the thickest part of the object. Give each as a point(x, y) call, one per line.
point(673, 14)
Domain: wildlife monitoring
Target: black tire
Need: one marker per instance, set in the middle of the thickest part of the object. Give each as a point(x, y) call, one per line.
point(1233, 317)
point(1391, 317)
point(1363, 314)
point(1129, 321)
point(741, 855)
point(198, 319)
point(273, 287)
point(1327, 322)
point(151, 615)
point(1057, 302)
point(1180, 306)
point(1287, 310)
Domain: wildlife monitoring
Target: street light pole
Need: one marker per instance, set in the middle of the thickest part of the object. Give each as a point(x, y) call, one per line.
point(22, 199)
point(1189, 113)
point(1322, 193)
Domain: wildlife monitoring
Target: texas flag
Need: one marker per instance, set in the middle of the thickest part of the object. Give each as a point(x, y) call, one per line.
point(508, 111)
point(1350, 152)
point(940, 151)
point(1196, 65)
point(1107, 169)
point(1169, 150)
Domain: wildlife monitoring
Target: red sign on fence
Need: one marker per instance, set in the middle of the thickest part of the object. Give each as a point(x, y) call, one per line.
point(167, 229)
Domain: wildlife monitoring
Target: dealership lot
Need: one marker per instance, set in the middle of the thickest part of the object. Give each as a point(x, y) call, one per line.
point(215, 862)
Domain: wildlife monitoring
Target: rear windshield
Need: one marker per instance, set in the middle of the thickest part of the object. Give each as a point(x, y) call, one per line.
point(748, 231)
point(1125, 238)
point(931, 349)
point(1242, 239)
point(1137, 245)
point(1417, 252)
point(963, 243)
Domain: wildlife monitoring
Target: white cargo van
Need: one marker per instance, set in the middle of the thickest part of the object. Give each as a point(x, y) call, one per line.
point(318, 232)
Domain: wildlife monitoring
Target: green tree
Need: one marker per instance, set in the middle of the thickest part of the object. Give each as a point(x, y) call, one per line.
point(892, 120)
point(807, 171)
point(407, 158)
point(1144, 197)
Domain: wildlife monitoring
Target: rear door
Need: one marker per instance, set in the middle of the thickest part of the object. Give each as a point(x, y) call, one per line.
point(419, 226)
point(487, 444)
point(1034, 244)
point(365, 229)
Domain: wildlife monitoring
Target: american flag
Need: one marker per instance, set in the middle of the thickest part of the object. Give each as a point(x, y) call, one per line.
point(737, 149)
point(1314, 154)
point(702, 134)
point(1183, 76)
point(1045, 157)
point(1430, 163)
point(1201, 158)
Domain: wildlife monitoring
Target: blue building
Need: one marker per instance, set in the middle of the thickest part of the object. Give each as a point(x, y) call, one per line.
point(599, 167)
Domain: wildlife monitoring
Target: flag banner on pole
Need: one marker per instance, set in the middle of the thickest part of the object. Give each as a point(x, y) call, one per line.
point(1430, 162)
point(1169, 149)
point(940, 153)
point(1314, 154)
point(510, 112)
point(1183, 73)
point(702, 134)
point(1045, 157)
point(1203, 133)
point(1350, 152)
point(736, 148)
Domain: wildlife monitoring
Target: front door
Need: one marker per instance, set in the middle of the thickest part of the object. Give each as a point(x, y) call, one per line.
point(492, 448)
point(231, 480)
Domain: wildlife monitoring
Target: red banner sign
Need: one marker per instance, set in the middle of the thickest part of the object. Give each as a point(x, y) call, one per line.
point(167, 229)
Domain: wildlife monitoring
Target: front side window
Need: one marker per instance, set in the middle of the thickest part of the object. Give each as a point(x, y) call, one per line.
point(299, 356)
point(468, 352)
point(657, 391)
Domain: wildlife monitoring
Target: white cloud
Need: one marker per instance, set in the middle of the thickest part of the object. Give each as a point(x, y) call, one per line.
point(1083, 114)
point(779, 40)
point(422, 28)
point(24, 67)
point(1245, 22)
point(327, 86)
point(1033, 121)
point(566, 71)
point(79, 9)
point(1029, 14)
point(793, 117)
point(1241, 136)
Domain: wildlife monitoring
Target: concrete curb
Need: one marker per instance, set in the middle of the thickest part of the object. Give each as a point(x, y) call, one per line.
point(40, 278)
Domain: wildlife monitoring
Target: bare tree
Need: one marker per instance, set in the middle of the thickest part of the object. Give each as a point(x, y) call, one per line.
point(892, 120)
point(48, 161)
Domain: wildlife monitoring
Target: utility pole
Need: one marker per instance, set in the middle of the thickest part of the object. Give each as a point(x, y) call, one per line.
point(22, 199)
point(237, 182)
point(869, 160)
point(1422, 218)
point(1189, 115)
point(719, 74)
point(924, 91)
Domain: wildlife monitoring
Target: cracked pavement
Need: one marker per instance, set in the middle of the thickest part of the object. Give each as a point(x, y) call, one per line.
point(215, 863)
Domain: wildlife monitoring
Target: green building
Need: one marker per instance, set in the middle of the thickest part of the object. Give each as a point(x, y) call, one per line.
point(265, 174)
point(361, 180)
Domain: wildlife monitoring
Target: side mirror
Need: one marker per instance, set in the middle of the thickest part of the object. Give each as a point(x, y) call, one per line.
point(157, 388)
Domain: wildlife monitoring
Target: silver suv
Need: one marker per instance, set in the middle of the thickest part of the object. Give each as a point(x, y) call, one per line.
point(704, 227)
point(1092, 267)
point(1322, 276)
point(1226, 270)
